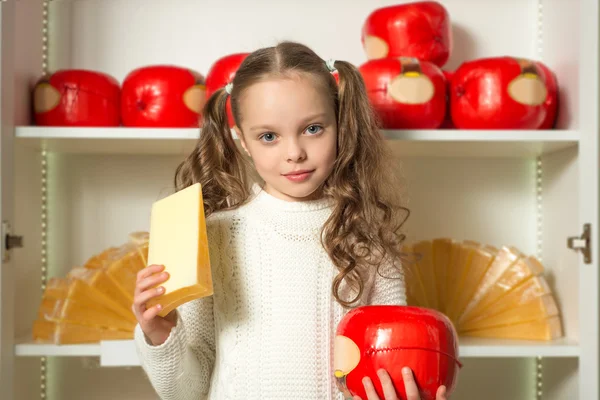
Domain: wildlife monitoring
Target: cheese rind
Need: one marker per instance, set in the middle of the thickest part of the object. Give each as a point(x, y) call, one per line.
point(178, 241)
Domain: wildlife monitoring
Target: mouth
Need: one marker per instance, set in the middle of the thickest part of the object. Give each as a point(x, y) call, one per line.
point(300, 175)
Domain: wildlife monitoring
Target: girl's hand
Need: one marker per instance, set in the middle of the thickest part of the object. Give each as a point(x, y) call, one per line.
point(412, 392)
point(155, 327)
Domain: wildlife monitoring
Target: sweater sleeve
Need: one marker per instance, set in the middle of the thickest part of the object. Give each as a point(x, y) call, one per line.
point(181, 367)
point(388, 286)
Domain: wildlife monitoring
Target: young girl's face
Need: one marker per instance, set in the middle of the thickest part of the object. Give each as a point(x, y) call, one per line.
point(289, 129)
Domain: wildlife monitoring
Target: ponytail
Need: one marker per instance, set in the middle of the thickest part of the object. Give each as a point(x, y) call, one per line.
point(363, 231)
point(215, 162)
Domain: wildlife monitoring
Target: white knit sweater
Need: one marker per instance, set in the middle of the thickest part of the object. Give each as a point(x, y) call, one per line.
point(267, 332)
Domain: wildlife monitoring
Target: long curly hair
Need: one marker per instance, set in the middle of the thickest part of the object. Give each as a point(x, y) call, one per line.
point(364, 229)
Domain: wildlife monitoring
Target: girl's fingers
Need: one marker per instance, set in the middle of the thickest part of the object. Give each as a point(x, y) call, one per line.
point(389, 392)
point(141, 299)
point(151, 281)
point(370, 389)
point(151, 313)
point(412, 391)
point(441, 393)
point(149, 270)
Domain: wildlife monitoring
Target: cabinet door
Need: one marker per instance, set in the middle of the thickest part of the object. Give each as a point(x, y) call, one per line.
point(7, 269)
point(589, 162)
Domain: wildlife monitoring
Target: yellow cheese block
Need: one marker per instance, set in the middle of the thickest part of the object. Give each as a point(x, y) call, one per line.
point(536, 308)
point(517, 273)
point(178, 241)
point(542, 329)
point(72, 302)
point(461, 257)
point(69, 333)
point(530, 289)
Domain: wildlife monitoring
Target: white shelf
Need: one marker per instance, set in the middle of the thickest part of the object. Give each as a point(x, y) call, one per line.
point(446, 143)
point(122, 352)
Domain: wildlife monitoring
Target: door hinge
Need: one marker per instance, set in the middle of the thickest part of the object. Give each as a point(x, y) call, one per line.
point(582, 243)
point(9, 241)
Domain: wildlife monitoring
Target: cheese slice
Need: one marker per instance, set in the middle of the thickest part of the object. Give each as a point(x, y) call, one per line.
point(536, 308)
point(178, 241)
point(505, 258)
point(441, 250)
point(523, 293)
point(71, 302)
point(520, 271)
point(460, 265)
point(99, 280)
point(62, 332)
point(481, 261)
point(123, 266)
point(542, 329)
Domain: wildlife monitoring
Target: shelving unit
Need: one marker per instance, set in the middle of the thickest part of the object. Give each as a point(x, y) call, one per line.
point(476, 143)
point(90, 187)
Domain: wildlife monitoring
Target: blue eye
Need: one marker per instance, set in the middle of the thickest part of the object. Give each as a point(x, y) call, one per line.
point(314, 129)
point(268, 137)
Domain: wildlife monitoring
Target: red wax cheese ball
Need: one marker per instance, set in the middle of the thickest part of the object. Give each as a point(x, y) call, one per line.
point(162, 96)
point(406, 93)
point(77, 97)
point(391, 337)
point(420, 29)
point(220, 74)
point(503, 93)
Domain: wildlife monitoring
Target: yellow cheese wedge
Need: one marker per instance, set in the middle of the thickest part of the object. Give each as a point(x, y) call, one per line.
point(441, 251)
point(69, 333)
point(542, 329)
point(517, 273)
point(481, 260)
point(505, 258)
point(536, 308)
point(461, 257)
point(178, 241)
point(99, 280)
point(123, 266)
point(528, 290)
point(73, 303)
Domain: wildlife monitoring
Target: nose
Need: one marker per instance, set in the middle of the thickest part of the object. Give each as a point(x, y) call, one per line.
point(295, 150)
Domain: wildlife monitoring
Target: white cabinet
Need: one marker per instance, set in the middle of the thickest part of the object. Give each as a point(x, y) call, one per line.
point(72, 192)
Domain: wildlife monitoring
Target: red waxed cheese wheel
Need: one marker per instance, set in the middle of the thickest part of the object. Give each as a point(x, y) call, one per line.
point(162, 96)
point(420, 29)
point(406, 93)
point(503, 93)
point(77, 97)
point(391, 337)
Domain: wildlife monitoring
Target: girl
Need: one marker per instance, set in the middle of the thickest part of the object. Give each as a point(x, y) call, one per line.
point(291, 250)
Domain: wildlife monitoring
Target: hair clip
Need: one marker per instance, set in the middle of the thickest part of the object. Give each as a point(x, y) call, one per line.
point(330, 65)
point(229, 88)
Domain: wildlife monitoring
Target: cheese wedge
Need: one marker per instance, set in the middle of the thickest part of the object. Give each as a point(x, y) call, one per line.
point(441, 250)
point(517, 273)
point(72, 302)
point(99, 280)
point(530, 289)
point(481, 260)
point(536, 308)
point(542, 329)
point(416, 293)
point(178, 241)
